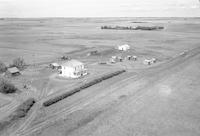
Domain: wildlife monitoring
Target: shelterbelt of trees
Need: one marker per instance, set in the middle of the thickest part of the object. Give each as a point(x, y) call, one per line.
point(133, 28)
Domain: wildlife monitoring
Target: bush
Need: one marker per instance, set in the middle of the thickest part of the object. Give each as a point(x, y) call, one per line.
point(23, 109)
point(19, 63)
point(3, 67)
point(6, 87)
point(20, 112)
point(4, 124)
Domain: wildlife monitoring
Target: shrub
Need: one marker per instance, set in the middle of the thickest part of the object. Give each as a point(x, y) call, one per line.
point(4, 124)
point(3, 67)
point(19, 63)
point(65, 58)
point(7, 87)
point(20, 112)
point(23, 109)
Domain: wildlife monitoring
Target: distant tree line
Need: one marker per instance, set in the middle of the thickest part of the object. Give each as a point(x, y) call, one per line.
point(133, 28)
point(118, 27)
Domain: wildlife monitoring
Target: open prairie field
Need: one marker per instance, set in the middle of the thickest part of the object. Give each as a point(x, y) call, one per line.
point(146, 100)
point(40, 40)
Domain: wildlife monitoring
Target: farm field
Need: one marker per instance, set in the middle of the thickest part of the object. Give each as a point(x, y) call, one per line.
point(146, 100)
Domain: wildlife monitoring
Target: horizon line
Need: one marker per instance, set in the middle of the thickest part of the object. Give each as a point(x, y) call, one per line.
point(98, 17)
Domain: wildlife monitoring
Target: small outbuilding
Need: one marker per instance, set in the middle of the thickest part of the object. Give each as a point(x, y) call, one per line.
point(119, 58)
point(13, 71)
point(153, 60)
point(72, 69)
point(128, 57)
point(147, 61)
point(124, 47)
point(55, 66)
point(114, 57)
point(112, 60)
point(134, 58)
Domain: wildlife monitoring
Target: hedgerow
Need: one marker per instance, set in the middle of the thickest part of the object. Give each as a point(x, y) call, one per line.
point(86, 85)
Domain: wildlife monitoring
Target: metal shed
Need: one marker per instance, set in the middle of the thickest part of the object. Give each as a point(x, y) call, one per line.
point(13, 71)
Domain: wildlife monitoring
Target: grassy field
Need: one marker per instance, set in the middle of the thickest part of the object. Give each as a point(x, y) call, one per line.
point(146, 100)
point(38, 40)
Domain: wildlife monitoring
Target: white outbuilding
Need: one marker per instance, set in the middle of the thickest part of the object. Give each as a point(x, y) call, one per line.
point(147, 61)
point(13, 71)
point(124, 47)
point(54, 65)
point(72, 69)
point(134, 58)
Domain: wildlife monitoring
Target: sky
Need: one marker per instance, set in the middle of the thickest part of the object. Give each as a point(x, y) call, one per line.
point(99, 8)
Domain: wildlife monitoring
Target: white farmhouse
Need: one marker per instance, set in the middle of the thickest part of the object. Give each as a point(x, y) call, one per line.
point(124, 47)
point(73, 69)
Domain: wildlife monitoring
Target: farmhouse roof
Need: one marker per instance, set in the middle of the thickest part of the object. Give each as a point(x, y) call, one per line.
point(72, 63)
point(13, 70)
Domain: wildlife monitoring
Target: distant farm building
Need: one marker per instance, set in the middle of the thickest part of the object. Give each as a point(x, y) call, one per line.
point(149, 61)
point(124, 47)
point(112, 60)
point(73, 69)
point(13, 71)
point(153, 60)
point(128, 57)
point(134, 58)
point(115, 59)
point(120, 59)
point(54, 66)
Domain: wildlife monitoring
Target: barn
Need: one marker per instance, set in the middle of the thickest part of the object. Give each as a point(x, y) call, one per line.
point(13, 71)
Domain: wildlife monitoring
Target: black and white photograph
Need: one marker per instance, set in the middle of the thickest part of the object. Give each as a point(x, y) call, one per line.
point(99, 68)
